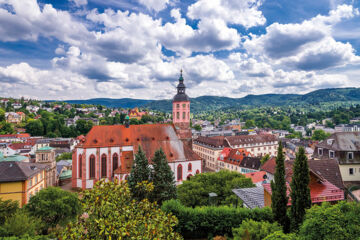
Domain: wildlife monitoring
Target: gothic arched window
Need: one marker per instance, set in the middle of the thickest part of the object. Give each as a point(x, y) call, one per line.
point(103, 165)
point(92, 166)
point(179, 172)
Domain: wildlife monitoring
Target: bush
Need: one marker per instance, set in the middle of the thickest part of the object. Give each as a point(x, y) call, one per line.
point(202, 222)
point(20, 224)
point(340, 221)
point(195, 191)
point(279, 235)
point(250, 229)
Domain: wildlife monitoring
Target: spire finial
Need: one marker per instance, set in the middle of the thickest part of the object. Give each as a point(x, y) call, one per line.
point(181, 72)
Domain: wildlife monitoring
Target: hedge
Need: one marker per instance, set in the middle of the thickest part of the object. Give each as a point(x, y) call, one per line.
point(203, 222)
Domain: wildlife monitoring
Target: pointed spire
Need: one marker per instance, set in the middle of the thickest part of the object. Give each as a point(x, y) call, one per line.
point(181, 79)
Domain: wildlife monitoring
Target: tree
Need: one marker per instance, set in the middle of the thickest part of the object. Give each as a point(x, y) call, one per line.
point(340, 221)
point(279, 235)
point(300, 191)
point(197, 127)
point(163, 178)
point(319, 135)
point(113, 214)
point(20, 224)
point(140, 172)
point(7, 209)
point(54, 206)
point(2, 115)
point(250, 229)
point(195, 191)
point(64, 156)
point(249, 124)
point(35, 128)
point(279, 198)
point(83, 126)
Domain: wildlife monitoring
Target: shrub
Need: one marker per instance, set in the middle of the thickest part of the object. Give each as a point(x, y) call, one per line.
point(202, 222)
point(254, 230)
point(279, 235)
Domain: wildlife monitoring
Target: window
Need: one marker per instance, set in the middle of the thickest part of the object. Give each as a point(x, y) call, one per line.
point(115, 161)
point(189, 167)
point(179, 172)
point(80, 166)
point(320, 151)
point(30, 183)
point(92, 166)
point(184, 105)
point(331, 154)
point(351, 171)
point(36, 179)
point(184, 115)
point(103, 165)
point(177, 115)
point(350, 155)
point(177, 105)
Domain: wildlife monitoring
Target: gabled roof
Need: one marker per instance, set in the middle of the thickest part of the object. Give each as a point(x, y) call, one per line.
point(151, 137)
point(250, 139)
point(269, 166)
point(328, 169)
point(18, 171)
point(252, 197)
point(256, 176)
point(342, 141)
point(217, 142)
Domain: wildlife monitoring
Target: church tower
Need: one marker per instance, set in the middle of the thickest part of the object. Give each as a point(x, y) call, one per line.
point(181, 111)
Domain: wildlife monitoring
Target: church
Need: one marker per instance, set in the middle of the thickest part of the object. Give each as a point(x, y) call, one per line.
point(108, 152)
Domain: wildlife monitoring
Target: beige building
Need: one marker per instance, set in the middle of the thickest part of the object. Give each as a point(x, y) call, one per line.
point(209, 148)
point(46, 156)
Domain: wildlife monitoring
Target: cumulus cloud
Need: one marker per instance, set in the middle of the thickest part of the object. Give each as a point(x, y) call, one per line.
point(242, 12)
point(79, 3)
point(305, 46)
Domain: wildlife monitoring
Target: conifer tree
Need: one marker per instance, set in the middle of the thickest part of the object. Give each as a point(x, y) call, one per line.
point(279, 199)
point(140, 172)
point(162, 178)
point(300, 191)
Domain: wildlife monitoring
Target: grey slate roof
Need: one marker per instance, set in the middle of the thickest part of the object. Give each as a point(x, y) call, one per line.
point(343, 141)
point(18, 171)
point(251, 162)
point(252, 197)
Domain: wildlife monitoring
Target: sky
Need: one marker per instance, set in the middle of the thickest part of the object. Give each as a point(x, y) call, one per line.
point(82, 49)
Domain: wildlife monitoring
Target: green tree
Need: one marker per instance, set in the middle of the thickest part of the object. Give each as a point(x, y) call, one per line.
point(319, 135)
point(197, 127)
point(83, 126)
point(279, 198)
point(21, 224)
point(279, 235)
point(6, 128)
point(195, 191)
point(54, 206)
point(35, 128)
point(7, 209)
point(340, 221)
point(140, 172)
point(249, 124)
point(163, 178)
point(2, 115)
point(113, 214)
point(300, 191)
point(64, 156)
point(250, 229)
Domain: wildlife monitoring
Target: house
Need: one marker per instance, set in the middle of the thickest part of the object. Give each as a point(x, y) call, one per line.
point(46, 157)
point(355, 120)
point(19, 181)
point(4, 101)
point(258, 178)
point(238, 160)
point(347, 128)
point(135, 113)
point(251, 197)
point(344, 147)
point(300, 129)
point(325, 180)
point(15, 117)
point(108, 152)
point(32, 108)
point(209, 148)
point(20, 137)
point(64, 171)
point(16, 105)
point(16, 158)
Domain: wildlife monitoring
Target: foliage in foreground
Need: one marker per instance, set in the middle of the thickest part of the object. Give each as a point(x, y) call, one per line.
point(340, 221)
point(7, 209)
point(203, 222)
point(250, 229)
point(54, 206)
point(195, 191)
point(21, 224)
point(113, 214)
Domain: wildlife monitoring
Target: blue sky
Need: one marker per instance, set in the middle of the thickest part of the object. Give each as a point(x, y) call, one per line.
point(80, 49)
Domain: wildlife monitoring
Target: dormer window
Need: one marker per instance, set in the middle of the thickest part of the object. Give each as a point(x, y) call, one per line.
point(350, 155)
point(331, 154)
point(330, 141)
point(320, 151)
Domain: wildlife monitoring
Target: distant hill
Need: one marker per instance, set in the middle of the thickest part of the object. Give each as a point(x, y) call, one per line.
point(205, 103)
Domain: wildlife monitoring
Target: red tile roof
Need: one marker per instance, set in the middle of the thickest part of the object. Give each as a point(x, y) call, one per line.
point(269, 166)
point(256, 176)
point(233, 156)
point(151, 137)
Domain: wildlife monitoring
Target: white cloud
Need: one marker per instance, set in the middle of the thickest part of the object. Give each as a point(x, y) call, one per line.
point(242, 12)
point(156, 5)
point(79, 3)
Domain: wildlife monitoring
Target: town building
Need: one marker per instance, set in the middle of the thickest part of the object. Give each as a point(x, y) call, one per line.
point(238, 160)
point(19, 181)
point(209, 148)
point(15, 117)
point(135, 113)
point(46, 157)
point(20, 137)
point(347, 128)
point(107, 152)
point(344, 147)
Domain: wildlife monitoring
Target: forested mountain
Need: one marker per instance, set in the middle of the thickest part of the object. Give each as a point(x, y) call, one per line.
point(204, 103)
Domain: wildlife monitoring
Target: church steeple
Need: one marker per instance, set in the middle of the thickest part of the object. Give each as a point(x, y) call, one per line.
point(181, 95)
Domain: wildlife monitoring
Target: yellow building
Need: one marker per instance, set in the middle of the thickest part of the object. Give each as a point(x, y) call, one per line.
point(19, 181)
